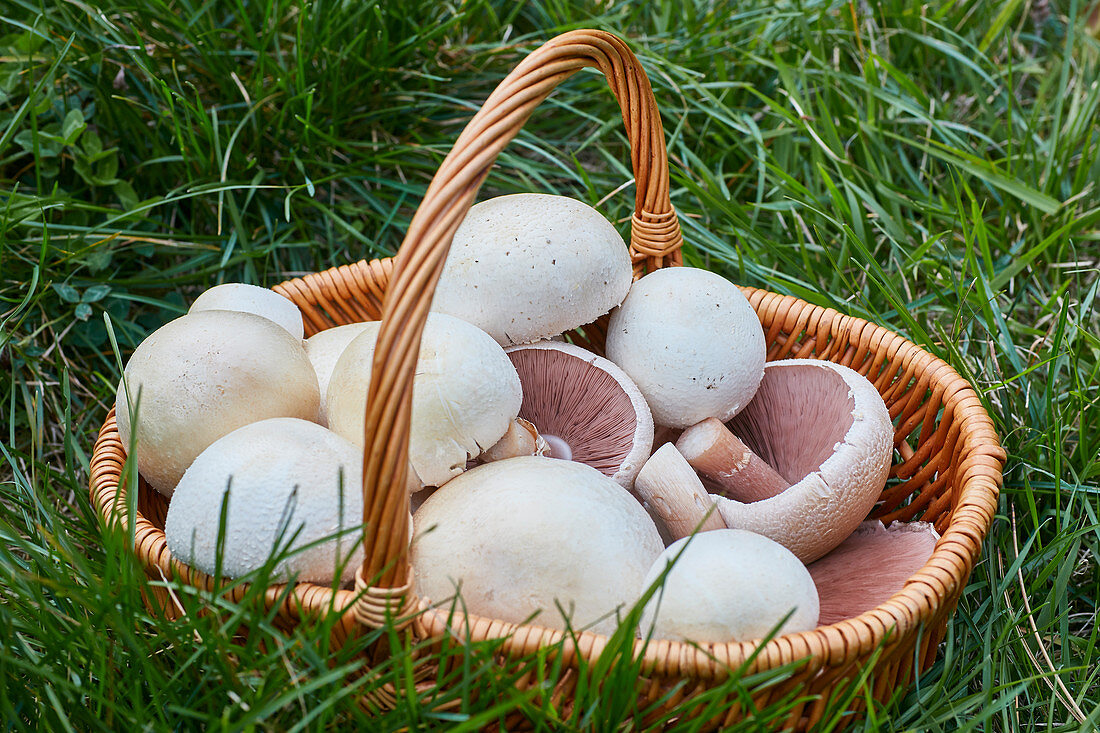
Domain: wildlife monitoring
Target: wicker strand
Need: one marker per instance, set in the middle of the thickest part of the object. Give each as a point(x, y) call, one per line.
point(655, 242)
point(376, 606)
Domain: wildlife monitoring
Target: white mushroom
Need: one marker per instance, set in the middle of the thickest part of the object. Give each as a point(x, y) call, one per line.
point(728, 585)
point(524, 535)
point(324, 349)
point(530, 266)
point(691, 342)
point(252, 299)
point(289, 484)
point(204, 375)
point(465, 395)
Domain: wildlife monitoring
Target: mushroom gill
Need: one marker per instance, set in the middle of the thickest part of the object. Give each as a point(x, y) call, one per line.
point(585, 408)
point(870, 566)
point(796, 419)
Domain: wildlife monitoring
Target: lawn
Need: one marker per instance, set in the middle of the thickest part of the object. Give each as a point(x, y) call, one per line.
point(929, 167)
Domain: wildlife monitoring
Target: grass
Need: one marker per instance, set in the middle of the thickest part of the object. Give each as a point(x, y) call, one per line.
point(930, 167)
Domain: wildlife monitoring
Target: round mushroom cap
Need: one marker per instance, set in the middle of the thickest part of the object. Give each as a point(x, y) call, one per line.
point(530, 266)
point(728, 585)
point(691, 342)
point(826, 430)
point(465, 394)
point(324, 349)
point(252, 299)
point(524, 535)
point(203, 376)
point(585, 405)
point(289, 484)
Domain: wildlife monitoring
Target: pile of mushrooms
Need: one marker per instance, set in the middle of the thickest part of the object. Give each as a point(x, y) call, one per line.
point(536, 490)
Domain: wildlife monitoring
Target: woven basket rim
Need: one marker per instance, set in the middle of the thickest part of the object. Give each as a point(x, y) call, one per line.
point(838, 643)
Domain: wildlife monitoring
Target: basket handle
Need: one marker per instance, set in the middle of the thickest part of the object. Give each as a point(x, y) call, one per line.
point(655, 242)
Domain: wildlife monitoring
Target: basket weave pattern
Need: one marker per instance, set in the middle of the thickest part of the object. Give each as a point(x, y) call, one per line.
point(947, 471)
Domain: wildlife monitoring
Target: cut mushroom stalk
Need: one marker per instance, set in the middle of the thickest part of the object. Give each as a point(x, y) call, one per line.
point(522, 439)
point(845, 587)
point(669, 485)
point(721, 457)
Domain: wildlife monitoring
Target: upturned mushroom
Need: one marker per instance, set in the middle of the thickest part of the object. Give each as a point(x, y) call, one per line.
point(288, 486)
point(728, 585)
point(584, 407)
point(826, 430)
point(528, 535)
point(530, 266)
point(691, 342)
point(203, 376)
point(466, 393)
point(252, 299)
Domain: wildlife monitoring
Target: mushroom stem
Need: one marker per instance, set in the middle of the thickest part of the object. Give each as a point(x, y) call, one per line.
point(521, 439)
point(892, 556)
point(667, 483)
point(724, 459)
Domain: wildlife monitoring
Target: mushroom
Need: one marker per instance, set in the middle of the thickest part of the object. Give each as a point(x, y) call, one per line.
point(252, 299)
point(892, 554)
point(531, 266)
point(728, 585)
point(324, 349)
point(465, 395)
point(691, 342)
point(204, 375)
point(289, 486)
point(585, 408)
point(826, 430)
point(528, 535)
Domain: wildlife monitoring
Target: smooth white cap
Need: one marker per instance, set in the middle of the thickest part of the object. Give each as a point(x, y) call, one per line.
point(252, 299)
point(691, 342)
point(523, 534)
point(728, 585)
point(465, 395)
point(286, 478)
point(531, 266)
point(204, 375)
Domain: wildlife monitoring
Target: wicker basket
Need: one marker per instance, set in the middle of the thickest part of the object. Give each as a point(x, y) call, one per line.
point(948, 470)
